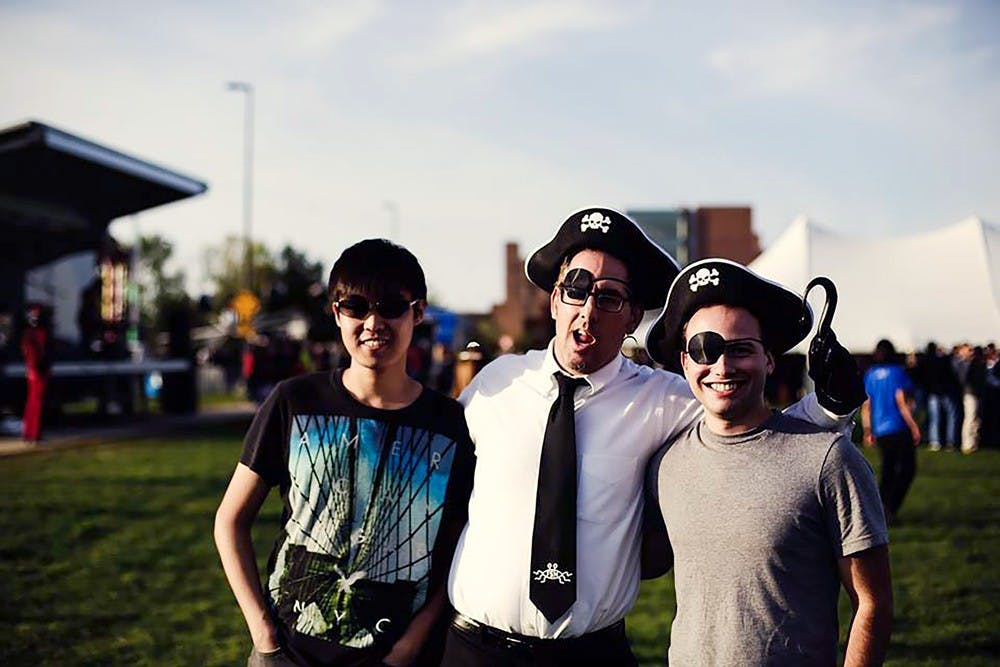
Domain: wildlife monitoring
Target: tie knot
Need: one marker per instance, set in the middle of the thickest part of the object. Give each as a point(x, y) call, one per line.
point(567, 383)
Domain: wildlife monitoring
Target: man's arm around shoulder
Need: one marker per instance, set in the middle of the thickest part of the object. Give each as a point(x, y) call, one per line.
point(866, 578)
point(809, 409)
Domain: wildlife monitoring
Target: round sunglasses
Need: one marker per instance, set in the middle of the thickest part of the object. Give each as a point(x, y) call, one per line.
point(706, 347)
point(358, 307)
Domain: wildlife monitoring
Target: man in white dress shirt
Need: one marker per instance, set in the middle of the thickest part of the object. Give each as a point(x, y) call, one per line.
point(602, 271)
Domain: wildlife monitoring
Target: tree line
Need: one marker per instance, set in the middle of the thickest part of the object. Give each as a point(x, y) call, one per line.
point(283, 280)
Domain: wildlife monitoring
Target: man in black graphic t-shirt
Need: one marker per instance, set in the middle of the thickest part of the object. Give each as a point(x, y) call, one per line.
point(375, 473)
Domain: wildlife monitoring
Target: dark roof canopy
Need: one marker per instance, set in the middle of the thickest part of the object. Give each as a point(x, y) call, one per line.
point(58, 192)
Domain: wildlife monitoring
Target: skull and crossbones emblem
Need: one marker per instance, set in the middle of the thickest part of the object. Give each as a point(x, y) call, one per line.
point(595, 220)
point(703, 277)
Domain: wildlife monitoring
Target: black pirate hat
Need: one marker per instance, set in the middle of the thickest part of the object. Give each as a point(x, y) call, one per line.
point(650, 268)
point(784, 318)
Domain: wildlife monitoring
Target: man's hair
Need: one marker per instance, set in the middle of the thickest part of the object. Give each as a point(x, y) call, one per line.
point(885, 352)
point(376, 267)
point(568, 259)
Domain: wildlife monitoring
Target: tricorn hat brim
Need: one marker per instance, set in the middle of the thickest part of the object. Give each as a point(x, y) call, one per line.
point(650, 268)
point(785, 319)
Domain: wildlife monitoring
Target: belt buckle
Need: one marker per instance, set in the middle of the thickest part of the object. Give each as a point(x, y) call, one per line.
point(503, 639)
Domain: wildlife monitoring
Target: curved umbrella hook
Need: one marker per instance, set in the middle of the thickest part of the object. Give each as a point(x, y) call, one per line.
point(829, 307)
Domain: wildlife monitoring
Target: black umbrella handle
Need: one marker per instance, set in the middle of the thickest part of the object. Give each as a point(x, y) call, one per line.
point(839, 387)
point(825, 329)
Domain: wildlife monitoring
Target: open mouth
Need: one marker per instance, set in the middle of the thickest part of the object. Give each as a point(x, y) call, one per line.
point(584, 338)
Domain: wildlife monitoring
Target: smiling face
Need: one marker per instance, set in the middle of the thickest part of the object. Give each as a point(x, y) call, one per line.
point(376, 342)
point(588, 338)
point(732, 388)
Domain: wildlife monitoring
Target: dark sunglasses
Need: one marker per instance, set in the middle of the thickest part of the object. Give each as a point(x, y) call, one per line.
point(578, 286)
point(706, 347)
point(358, 307)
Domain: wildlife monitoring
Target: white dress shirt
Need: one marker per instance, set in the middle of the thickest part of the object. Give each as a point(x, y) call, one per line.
point(623, 415)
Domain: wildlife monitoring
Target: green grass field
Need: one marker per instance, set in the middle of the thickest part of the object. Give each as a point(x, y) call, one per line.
point(107, 559)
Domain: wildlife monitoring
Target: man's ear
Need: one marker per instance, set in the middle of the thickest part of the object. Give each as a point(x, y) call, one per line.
point(333, 311)
point(770, 362)
point(418, 311)
point(637, 313)
point(553, 297)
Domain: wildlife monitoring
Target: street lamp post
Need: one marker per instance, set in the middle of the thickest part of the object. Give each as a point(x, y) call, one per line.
point(247, 89)
point(393, 209)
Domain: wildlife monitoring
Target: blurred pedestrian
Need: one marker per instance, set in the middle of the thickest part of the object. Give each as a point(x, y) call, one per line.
point(888, 422)
point(36, 345)
point(942, 388)
point(970, 367)
point(227, 358)
point(991, 399)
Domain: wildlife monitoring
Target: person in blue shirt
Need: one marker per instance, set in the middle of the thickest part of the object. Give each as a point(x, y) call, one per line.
point(888, 422)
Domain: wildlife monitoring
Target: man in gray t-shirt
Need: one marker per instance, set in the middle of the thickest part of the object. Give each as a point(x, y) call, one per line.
point(767, 516)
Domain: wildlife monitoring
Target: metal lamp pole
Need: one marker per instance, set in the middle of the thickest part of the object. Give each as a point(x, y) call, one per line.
point(247, 89)
point(393, 210)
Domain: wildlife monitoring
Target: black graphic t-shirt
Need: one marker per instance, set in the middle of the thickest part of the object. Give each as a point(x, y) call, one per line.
point(374, 502)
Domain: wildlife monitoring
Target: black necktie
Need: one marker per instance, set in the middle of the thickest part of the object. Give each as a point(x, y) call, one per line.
point(553, 542)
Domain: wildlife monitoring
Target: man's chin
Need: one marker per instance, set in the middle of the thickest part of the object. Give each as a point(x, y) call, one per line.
point(583, 362)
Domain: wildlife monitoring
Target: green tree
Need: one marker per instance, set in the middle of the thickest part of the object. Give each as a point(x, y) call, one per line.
point(159, 289)
point(225, 268)
point(296, 281)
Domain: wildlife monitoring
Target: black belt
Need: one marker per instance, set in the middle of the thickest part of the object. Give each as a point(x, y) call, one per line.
point(491, 636)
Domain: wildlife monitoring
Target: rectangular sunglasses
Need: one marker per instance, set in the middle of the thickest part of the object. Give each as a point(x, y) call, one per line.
point(390, 307)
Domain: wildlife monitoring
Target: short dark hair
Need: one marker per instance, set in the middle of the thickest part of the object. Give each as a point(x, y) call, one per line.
point(885, 352)
point(568, 259)
point(376, 267)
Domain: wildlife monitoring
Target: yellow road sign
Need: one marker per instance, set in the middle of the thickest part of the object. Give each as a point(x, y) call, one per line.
point(246, 305)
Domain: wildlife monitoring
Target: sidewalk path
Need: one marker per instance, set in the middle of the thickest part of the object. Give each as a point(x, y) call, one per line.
point(150, 426)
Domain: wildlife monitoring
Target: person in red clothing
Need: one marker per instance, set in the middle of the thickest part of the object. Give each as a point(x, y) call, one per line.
point(35, 345)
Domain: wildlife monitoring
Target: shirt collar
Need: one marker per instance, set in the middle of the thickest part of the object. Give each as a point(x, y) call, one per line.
point(595, 381)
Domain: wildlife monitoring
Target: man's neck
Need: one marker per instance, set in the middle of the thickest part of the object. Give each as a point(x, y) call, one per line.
point(385, 389)
point(743, 424)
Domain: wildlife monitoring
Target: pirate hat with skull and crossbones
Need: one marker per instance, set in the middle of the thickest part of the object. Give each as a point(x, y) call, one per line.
point(784, 318)
point(650, 268)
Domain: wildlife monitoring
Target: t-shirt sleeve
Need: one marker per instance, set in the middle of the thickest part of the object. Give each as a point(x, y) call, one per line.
point(850, 499)
point(455, 513)
point(264, 444)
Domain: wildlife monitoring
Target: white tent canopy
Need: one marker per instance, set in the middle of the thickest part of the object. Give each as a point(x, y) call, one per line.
point(942, 285)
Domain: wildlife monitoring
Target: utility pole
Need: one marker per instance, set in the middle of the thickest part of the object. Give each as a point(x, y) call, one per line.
point(247, 90)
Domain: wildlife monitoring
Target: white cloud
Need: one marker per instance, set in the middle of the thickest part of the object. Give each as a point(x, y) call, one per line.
point(812, 56)
point(908, 71)
point(478, 30)
point(471, 163)
point(318, 26)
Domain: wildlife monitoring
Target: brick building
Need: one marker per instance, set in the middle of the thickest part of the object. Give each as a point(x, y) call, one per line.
point(524, 313)
point(706, 231)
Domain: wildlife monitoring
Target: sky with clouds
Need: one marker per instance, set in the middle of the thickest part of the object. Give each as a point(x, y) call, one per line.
point(487, 122)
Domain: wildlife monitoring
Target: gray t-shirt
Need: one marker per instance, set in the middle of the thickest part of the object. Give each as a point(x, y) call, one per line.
point(757, 522)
